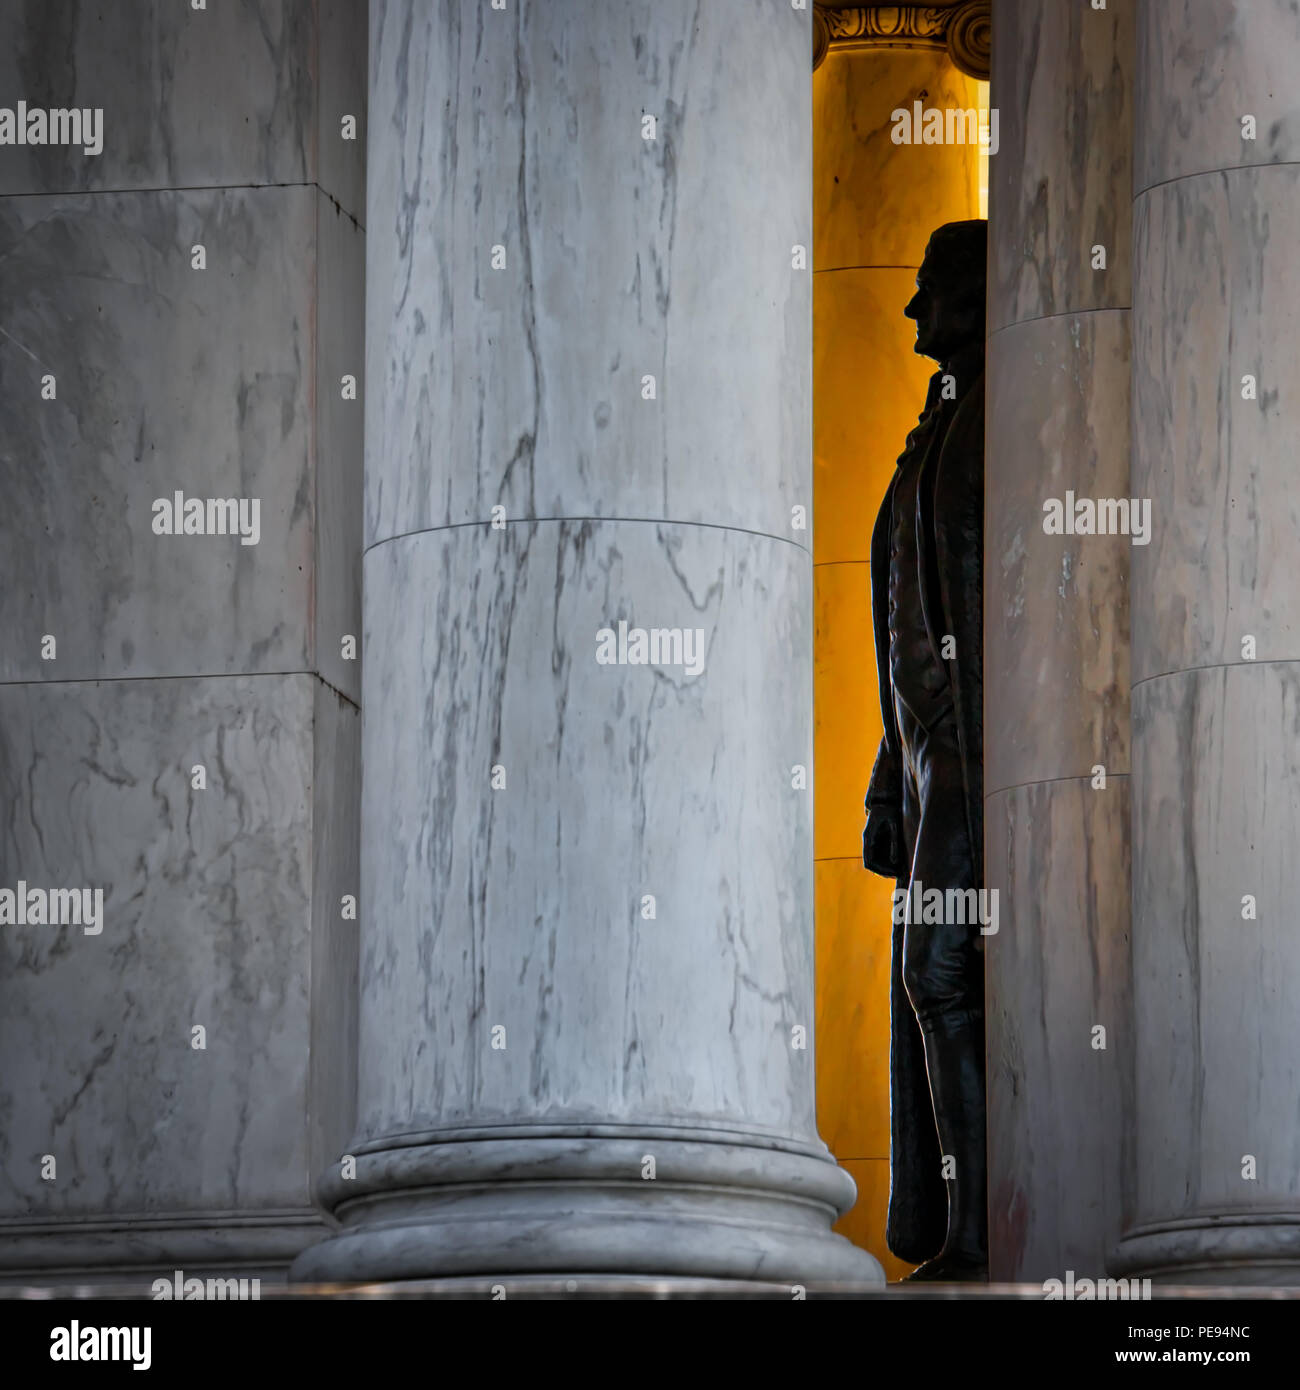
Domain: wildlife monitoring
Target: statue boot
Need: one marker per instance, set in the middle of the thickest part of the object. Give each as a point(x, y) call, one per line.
point(954, 1062)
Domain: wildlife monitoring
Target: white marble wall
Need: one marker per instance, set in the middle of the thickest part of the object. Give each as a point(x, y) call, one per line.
point(1056, 640)
point(1216, 783)
point(222, 905)
point(514, 915)
point(163, 1152)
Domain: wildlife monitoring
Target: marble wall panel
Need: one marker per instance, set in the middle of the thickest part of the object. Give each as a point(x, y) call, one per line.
point(1058, 968)
point(335, 951)
point(339, 432)
point(625, 258)
point(206, 921)
point(210, 381)
point(1216, 286)
point(522, 906)
point(232, 96)
point(1062, 79)
point(1216, 805)
point(1055, 606)
point(167, 378)
point(342, 38)
point(221, 97)
point(1205, 64)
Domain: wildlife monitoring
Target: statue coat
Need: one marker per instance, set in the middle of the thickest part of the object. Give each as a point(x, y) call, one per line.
point(951, 511)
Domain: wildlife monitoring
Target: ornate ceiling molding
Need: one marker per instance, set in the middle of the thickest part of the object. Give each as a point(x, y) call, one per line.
point(963, 27)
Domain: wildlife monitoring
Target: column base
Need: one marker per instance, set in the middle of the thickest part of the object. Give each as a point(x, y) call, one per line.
point(551, 1287)
point(541, 1203)
point(1254, 1251)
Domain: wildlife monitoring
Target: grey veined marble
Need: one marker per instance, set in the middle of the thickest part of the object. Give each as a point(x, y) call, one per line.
point(167, 379)
point(522, 904)
point(587, 915)
point(586, 927)
point(230, 96)
point(217, 384)
point(1204, 66)
point(1216, 972)
point(1215, 304)
point(1055, 606)
point(168, 1145)
point(1059, 185)
point(1056, 659)
point(1060, 1027)
point(1216, 783)
point(179, 729)
point(515, 139)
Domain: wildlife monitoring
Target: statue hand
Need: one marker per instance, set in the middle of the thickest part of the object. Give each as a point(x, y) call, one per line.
point(882, 841)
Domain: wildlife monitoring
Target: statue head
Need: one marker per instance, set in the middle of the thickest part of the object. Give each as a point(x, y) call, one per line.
point(948, 305)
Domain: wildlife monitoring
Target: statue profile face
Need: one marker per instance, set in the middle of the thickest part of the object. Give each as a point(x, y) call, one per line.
point(948, 305)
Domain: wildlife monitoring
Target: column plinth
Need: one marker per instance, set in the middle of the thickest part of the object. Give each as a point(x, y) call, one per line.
point(532, 1202)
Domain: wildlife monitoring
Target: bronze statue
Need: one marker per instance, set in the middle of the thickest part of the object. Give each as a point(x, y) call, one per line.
point(924, 814)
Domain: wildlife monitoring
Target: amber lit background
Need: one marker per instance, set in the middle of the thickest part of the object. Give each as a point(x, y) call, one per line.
point(874, 206)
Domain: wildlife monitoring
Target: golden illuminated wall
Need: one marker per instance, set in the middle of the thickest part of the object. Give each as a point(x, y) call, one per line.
point(874, 205)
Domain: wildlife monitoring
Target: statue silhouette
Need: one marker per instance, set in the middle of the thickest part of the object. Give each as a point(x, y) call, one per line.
point(924, 816)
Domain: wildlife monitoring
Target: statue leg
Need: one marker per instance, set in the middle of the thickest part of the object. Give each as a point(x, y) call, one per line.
point(917, 1223)
point(944, 978)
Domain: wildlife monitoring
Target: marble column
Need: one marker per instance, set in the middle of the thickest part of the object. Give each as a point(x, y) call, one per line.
point(586, 979)
point(1216, 645)
point(179, 724)
point(875, 204)
point(1056, 734)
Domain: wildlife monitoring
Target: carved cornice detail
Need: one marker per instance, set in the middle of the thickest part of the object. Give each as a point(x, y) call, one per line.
point(963, 27)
